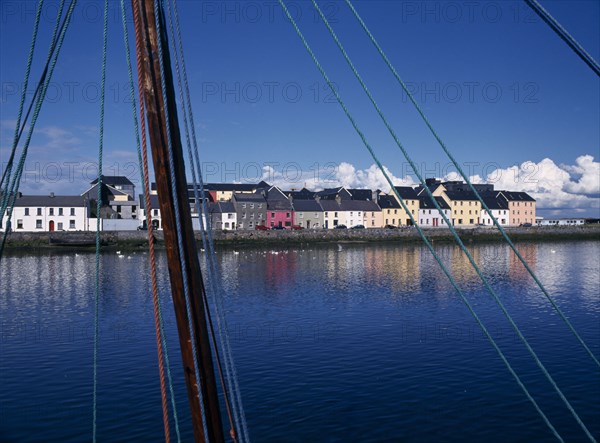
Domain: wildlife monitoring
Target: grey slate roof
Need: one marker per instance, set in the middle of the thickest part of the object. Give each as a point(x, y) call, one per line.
point(388, 201)
point(153, 201)
point(72, 201)
point(307, 206)
point(517, 196)
point(494, 201)
point(249, 198)
point(461, 195)
point(226, 207)
point(330, 205)
point(426, 203)
point(113, 180)
point(302, 194)
point(361, 194)
point(407, 192)
point(331, 193)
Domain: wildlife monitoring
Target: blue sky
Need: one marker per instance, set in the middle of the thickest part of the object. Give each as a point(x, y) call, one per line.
point(499, 86)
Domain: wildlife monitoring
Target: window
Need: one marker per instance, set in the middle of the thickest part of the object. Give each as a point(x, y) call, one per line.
point(71, 224)
point(395, 211)
point(260, 206)
point(336, 214)
point(133, 208)
point(471, 221)
point(39, 211)
point(19, 224)
point(243, 215)
point(230, 216)
point(60, 226)
point(272, 214)
point(251, 205)
point(26, 211)
point(155, 212)
point(287, 215)
point(51, 211)
point(287, 223)
point(72, 211)
point(243, 205)
point(302, 215)
point(38, 224)
point(60, 211)
point(119, 209)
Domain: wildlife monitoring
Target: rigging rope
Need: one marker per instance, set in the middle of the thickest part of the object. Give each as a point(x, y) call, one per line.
point(469, 183)
point(98, 216)
point(161, 344)
point(7, 171)
point(233, 404)
point(564, 35)
point(453, 230)
point(158, 16)
point(12, 188)
point(419, 230)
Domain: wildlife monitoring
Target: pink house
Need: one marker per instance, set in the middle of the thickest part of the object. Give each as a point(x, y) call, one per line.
point(280, 213)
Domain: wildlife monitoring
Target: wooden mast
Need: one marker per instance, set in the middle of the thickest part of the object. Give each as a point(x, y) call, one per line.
point(147, 33)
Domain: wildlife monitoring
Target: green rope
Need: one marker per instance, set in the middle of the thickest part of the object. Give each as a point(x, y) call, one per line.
point(419, 230)
point(7, 171)
point(453, 230)
point(564, 35)
point(468, 181)
point(13, 189)
point(98, 208)
point(140, 161)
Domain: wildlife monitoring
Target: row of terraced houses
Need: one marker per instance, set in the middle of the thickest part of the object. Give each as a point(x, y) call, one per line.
point(262, 206)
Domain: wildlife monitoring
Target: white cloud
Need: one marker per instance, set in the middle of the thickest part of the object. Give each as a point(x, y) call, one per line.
point(553, 186)
point(331, 176)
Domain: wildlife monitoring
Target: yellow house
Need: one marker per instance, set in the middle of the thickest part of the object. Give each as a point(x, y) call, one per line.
point(392, 211)
point(466, 209)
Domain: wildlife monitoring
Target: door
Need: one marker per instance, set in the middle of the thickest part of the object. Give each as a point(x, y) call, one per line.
point(307, 224)
point(51, 226)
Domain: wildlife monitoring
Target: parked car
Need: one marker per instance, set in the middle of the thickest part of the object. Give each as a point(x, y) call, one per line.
point(358, 227)
point(297, 228)
point(526, 225)
point(277, 228)
point(390, 227)
point(139, 228)
point(261, 228)
point(341, 227)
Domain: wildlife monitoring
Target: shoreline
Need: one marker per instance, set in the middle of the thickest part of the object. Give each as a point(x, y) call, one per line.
point(138, 240)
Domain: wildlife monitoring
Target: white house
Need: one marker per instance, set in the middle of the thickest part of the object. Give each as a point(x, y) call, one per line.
point(223, 215)
point(498, 207)
point(48, 213)
point(333, 215)
point(429, 215)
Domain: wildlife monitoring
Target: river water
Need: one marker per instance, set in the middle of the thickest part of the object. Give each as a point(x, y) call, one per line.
point(348, 342)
